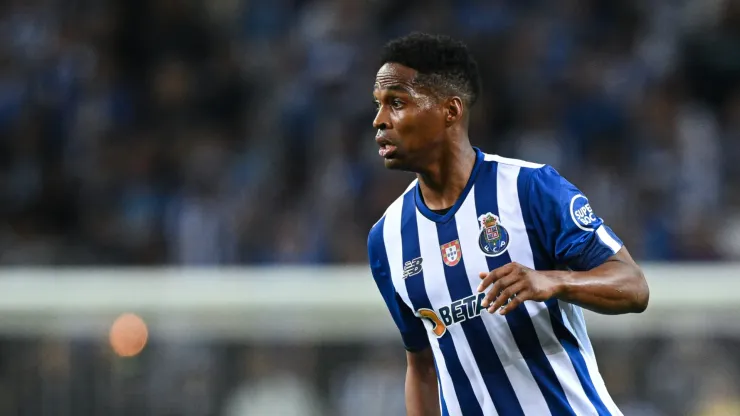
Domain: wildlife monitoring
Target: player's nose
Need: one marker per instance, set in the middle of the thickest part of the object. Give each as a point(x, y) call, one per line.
point(381, 122)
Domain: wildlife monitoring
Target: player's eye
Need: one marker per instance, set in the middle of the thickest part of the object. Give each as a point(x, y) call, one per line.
point(376, 105)
point(397, 103)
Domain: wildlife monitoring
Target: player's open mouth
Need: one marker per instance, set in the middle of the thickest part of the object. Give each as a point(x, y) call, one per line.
point(387, 151)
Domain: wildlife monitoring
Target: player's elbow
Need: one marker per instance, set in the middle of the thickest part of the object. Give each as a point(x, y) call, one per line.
point(421, 363)
point(641, 291)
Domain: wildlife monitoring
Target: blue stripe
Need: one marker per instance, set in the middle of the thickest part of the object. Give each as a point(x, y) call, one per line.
point(542, 261)
point(418, 295)
point(520, 323)
point(494, 376)
point(445, 411)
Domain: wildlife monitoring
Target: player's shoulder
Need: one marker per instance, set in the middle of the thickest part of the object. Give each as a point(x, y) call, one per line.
point(376, 232)
point(507, 161)
point(526, 169)
point(528, 174)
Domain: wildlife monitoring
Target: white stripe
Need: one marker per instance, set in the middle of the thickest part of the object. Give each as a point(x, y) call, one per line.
point(608, 239)
point(394, 248)
point(512, 162)
point(520, 251)
point(574, 392)
point(576, 324)
point(525, 387)
point(439, 385)
point(439, 295)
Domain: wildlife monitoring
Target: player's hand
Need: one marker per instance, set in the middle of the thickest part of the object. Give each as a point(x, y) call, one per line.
point(518, 283)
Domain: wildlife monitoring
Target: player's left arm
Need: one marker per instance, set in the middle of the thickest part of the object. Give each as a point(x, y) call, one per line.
point(615, 287)
point(602, 275)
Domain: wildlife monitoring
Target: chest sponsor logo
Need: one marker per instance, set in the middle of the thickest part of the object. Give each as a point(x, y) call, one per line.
point(455, 313)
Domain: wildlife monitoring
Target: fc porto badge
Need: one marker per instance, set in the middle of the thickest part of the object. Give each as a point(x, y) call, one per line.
point(493, 239)
point(451, 253)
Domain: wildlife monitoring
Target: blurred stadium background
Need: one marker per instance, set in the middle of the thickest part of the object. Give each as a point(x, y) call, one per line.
point(210, 166)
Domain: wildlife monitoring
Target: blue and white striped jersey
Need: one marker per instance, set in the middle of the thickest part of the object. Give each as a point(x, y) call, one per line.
point(536, 360)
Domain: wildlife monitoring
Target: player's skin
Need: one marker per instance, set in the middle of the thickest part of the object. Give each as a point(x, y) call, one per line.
point(426, 134)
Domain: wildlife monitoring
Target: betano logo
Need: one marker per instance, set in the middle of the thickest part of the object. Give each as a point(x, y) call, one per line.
point(457, 312)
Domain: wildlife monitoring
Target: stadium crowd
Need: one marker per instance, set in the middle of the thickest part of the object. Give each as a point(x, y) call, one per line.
point(230, 131)
point(217, 132)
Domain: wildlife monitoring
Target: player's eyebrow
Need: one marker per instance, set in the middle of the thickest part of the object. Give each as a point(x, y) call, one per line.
point(393, 87)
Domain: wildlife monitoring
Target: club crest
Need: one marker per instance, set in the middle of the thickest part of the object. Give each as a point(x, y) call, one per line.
point(493, 239)
point(451, 253)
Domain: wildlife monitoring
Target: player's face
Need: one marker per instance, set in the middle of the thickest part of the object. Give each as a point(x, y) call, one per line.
point(409, 121)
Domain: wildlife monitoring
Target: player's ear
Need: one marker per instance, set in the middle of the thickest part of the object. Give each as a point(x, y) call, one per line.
point(454, 110)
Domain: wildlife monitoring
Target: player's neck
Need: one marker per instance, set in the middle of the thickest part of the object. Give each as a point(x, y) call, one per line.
point(444, 180)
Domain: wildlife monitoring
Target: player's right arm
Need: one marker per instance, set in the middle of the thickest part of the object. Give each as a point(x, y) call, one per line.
point(421, 377)
point(421, 384)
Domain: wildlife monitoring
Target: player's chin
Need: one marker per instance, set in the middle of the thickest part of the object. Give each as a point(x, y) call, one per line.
point(394, 163)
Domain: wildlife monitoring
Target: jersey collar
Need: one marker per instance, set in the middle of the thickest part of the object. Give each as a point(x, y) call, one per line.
point(425, 211)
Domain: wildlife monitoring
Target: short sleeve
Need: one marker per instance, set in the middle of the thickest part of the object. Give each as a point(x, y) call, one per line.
point(566, 224)
point(413, 332)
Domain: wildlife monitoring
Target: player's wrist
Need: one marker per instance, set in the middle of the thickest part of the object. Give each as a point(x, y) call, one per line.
point(564, 283)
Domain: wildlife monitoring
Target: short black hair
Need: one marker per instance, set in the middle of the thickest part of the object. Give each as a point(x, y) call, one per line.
point(443, 64)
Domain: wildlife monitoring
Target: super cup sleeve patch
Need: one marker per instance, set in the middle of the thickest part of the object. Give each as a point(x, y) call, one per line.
point(582, 214)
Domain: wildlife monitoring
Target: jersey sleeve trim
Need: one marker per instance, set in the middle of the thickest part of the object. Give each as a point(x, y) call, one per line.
point(604, 235)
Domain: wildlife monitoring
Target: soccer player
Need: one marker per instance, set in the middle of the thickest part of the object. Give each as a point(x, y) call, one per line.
point(485, 262)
